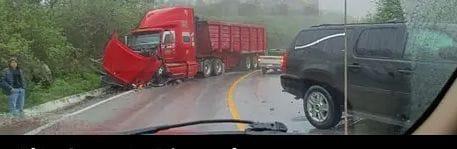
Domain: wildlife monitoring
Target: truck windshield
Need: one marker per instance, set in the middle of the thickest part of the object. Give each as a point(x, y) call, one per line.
point(144, 41)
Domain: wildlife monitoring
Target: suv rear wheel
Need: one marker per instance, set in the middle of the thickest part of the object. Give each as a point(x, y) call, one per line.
point(321, 109)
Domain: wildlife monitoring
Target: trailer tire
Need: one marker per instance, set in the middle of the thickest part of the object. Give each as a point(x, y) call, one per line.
point(254, 62)
point(218, 67)
point(206, 68)
point(246, 63)
point(264, 70)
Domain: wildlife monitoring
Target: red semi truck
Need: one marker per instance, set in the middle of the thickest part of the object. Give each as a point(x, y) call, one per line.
point(173, 43)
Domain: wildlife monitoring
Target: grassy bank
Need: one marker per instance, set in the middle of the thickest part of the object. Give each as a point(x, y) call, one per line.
point(61, 87)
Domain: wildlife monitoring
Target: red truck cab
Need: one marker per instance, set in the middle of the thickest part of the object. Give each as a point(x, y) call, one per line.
point(165, 43)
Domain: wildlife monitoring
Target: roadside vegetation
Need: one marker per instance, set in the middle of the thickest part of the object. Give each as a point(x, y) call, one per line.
point(61, 87)
point(56, 41)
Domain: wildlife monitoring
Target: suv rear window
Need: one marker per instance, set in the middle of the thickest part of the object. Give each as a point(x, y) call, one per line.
point(380, 43)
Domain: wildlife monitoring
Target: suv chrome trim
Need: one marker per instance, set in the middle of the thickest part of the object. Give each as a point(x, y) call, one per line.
point(320, 40)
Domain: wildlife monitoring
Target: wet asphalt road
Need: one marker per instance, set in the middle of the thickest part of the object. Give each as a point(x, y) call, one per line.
point(256, 97)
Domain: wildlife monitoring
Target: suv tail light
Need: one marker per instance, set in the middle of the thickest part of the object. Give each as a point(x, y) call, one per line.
point(284, 62)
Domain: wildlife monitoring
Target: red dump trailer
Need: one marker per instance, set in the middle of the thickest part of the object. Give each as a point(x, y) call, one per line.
point(233, 43)
point(173, 43)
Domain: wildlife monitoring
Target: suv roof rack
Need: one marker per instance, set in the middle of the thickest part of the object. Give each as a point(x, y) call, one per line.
point(388, 22)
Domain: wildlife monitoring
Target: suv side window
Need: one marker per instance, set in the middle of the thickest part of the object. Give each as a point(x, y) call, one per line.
point(380, 43)
point(334, 45)
point(430, 45)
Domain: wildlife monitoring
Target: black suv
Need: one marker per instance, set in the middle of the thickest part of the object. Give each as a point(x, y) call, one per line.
point(391, 70)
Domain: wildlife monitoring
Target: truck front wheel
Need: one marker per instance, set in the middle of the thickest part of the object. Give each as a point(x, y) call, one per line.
point(218, 67)
point(159, 77)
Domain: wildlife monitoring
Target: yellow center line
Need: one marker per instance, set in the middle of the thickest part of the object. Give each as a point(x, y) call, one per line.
point(231, 102)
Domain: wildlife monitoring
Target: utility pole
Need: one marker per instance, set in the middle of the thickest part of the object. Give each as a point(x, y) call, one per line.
point(345, 70)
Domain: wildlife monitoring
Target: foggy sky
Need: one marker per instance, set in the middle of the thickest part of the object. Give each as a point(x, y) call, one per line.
point(356, 8)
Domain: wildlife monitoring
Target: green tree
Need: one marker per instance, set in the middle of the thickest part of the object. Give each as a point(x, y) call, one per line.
point(442, 11)
point(87, 24)
point(283, 8)
point(29, 33)
point(54, 40)
point(388, 10)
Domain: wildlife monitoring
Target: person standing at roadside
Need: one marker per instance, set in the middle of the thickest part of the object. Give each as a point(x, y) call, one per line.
point(13, 83)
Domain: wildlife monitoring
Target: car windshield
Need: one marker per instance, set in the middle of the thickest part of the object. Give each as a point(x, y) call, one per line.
point(328, 67)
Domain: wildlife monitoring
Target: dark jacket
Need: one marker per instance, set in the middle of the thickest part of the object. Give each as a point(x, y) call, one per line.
point(7, 80)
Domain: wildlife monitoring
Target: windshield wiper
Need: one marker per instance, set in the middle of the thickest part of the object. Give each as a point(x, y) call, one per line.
point(253, 126)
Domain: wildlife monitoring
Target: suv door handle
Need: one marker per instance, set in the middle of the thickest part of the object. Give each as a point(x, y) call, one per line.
point(355, 66)
point(405, 71)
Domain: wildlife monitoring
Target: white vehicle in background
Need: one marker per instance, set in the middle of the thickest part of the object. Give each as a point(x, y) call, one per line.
point(271, 60)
